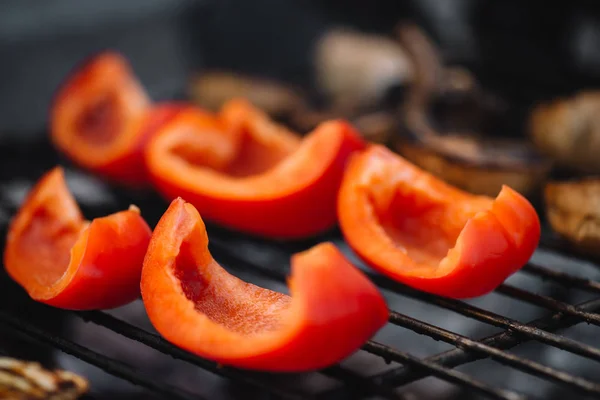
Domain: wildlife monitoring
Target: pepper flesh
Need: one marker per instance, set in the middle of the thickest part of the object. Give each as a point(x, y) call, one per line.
point(195, 304)
point(62, 260)
point(102, 117)
point(422, 232)
point(245, 172)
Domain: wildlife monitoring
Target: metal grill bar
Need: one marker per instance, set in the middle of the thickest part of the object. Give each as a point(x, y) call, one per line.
point(390, 354)
point(504, 340)
point(435, 369)
point(524, 330)
point(548, 302)
point(156, 342)
point(494, 353)
point(111, 366)
point(562, 278)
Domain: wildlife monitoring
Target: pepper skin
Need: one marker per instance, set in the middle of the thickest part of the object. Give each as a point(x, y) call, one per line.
point(195, 304)
point(247, 173)
point(62, 260)
point(101, 118)
point(420, 231)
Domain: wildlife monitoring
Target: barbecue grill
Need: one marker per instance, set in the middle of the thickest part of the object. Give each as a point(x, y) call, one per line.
point(536, 336)
point(562, 298)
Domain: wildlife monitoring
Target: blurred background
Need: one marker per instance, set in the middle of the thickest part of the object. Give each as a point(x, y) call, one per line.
point(527, 50)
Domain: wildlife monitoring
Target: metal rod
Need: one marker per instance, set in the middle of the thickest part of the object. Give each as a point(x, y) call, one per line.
point(432, 368)
point(562, 277)
point(504, 340)
point(111, 366)
point(464, 342)
point(524, 330)
point(548, 303)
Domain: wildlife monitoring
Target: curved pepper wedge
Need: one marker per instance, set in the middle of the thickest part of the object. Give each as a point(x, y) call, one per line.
point(245, 172)
point(101, 118)
point(422, 232)
point(195, 304)
point(62, 260)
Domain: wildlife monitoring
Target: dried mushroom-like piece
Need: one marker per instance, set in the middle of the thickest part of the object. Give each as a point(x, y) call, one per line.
point(568, 131)
point(21, 380)
point(461, 154)
point(573, 210)
point(477, 165)
point(354, 70)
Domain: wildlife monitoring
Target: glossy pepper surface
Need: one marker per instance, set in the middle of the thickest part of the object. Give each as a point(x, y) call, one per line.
point(420, 231)
point(195, 304)
point(243, 171)
point(101, 118)
point(63, 260)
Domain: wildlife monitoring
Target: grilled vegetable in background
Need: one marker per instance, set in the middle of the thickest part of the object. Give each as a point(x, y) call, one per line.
point(102, 117)
point(65, 261)
point(20, 380)
point(568, 131)
point(420, 231)
point(245, 172)
point(194, 303)
point(462, 157)
point(356, 74)
point(573, 211)
point(213, 89)
point(355, 70)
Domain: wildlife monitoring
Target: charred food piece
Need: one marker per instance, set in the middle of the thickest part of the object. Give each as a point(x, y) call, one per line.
point(475, 164)
point(459, 152)
point(357, 76)
point(568, 131)
point(20, 380)
point(214, 88)
point(573, 210)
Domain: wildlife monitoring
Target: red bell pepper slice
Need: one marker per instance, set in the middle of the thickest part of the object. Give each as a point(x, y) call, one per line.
point(195, 304)
point(62, 260)
point(245, 172)
point(420, 231)
point(101, 118)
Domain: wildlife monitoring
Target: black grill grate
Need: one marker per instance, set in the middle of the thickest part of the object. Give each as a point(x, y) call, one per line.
point(268, 259)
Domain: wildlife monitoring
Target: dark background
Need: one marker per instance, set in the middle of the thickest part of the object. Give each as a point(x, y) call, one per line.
point(526, 50)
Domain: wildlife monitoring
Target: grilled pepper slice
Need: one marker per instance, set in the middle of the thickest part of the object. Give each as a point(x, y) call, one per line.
point(245, 172)
point(101, 118)
point(195, 304)
point(418, 230)
point(65, 261)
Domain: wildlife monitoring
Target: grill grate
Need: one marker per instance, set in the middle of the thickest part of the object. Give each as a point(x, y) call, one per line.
point(225, 246)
